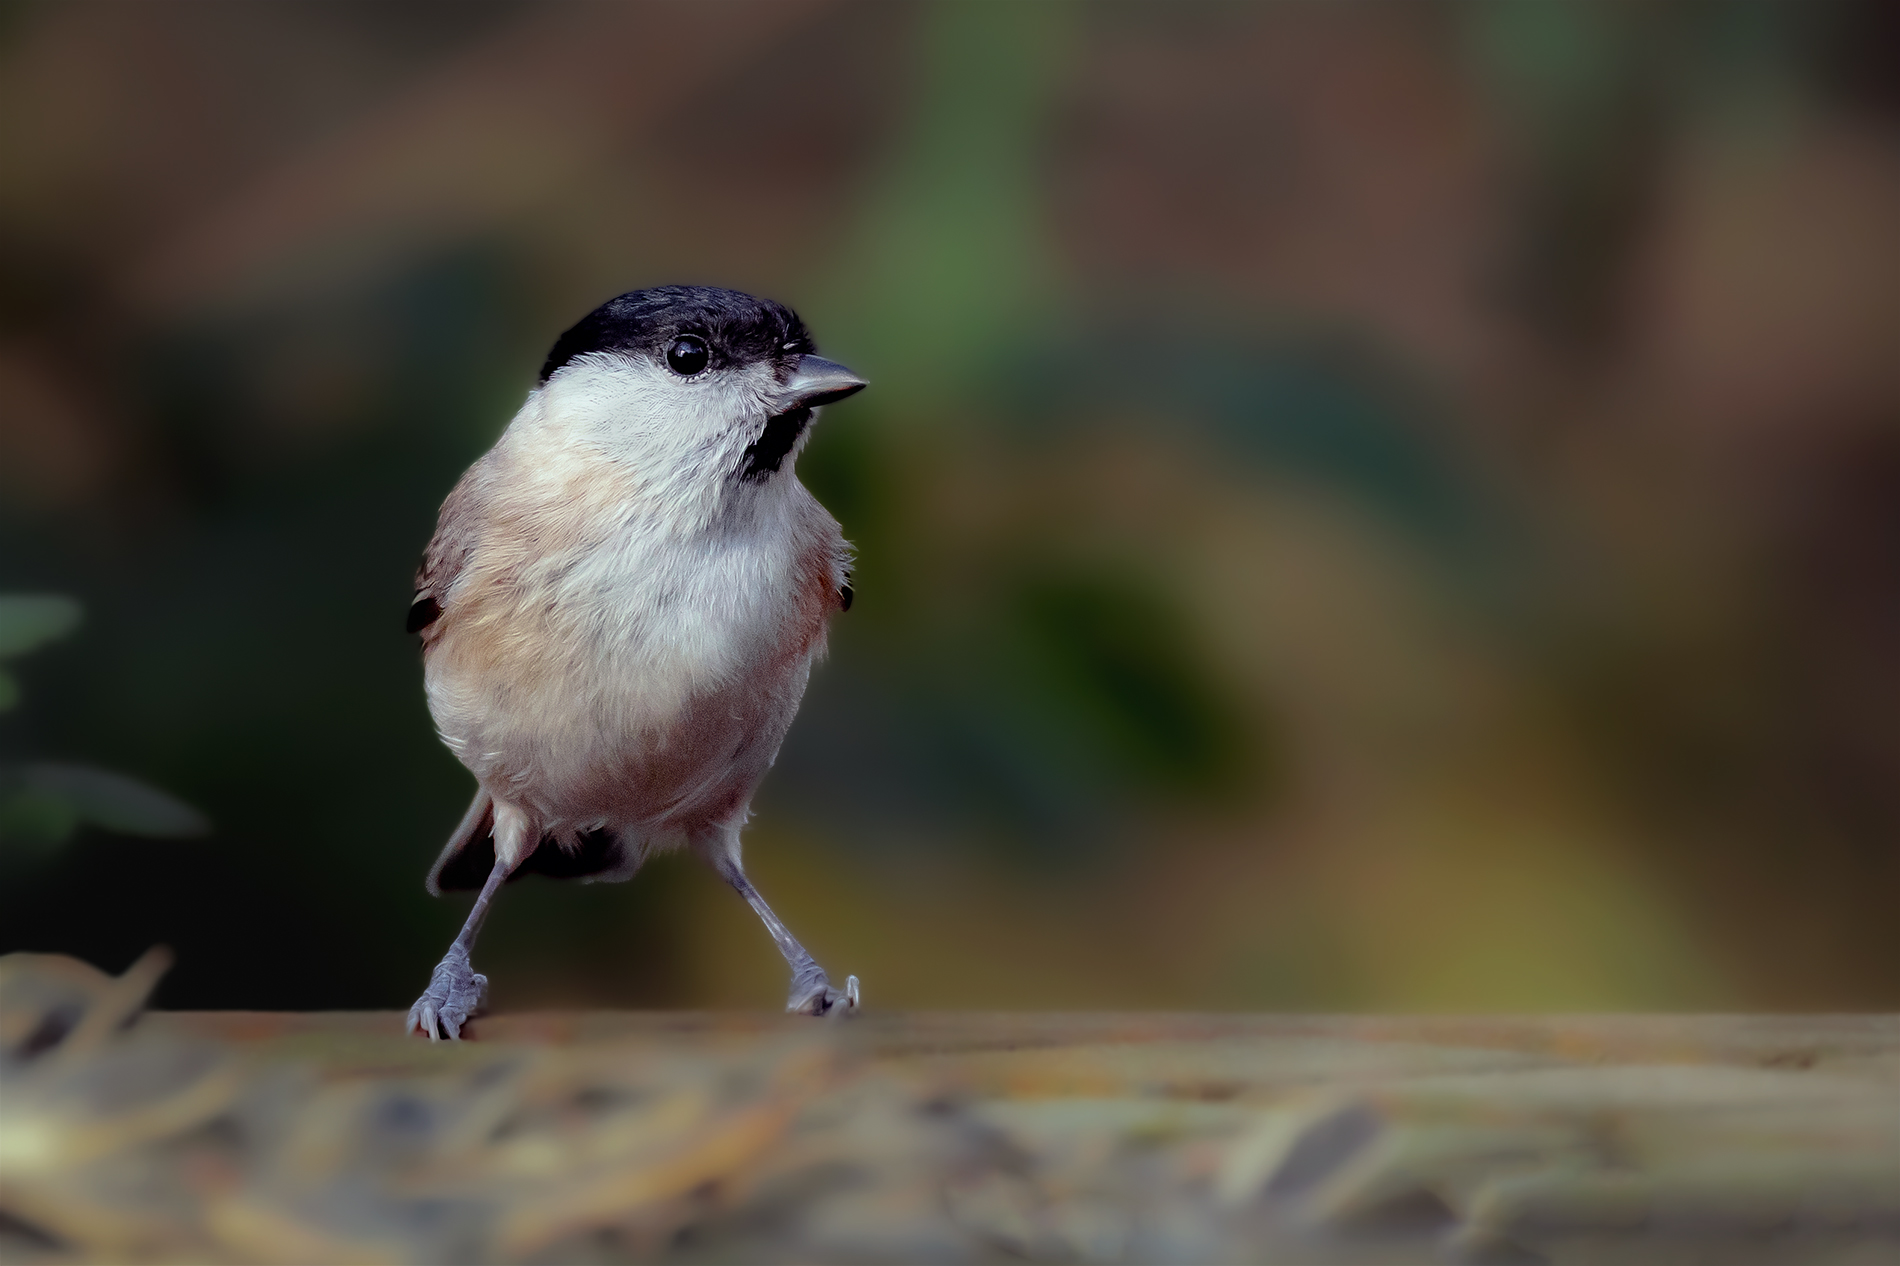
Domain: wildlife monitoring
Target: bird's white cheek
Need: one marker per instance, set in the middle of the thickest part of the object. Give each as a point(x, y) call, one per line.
point(683, 436)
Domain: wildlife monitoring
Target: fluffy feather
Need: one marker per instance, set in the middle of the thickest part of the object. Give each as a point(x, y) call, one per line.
point(626, 623)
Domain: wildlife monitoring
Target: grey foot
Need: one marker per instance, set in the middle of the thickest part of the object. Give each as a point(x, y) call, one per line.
point(455, 993)
point(819, 997)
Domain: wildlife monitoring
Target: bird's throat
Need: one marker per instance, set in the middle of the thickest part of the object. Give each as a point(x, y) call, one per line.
point(764, 455)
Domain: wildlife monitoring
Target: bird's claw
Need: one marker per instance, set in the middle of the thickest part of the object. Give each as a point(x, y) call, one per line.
point(454, 994)
point(821, 998)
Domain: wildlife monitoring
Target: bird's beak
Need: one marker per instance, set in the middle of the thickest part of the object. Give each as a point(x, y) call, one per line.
point(818, 381)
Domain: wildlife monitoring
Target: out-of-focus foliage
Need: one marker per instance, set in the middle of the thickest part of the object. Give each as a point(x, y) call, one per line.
point(27, 622)
point(42, 804)
point(1359, 505)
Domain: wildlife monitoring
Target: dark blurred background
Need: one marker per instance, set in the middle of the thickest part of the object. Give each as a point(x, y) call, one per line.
point(1360, 506)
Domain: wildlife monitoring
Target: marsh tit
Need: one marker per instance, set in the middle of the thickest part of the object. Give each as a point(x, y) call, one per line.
point(621, 606)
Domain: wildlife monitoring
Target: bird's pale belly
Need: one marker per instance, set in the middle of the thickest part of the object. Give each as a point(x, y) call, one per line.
point(579, 745)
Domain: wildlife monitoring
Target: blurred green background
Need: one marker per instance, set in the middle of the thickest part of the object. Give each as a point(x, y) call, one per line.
point(1360, 506)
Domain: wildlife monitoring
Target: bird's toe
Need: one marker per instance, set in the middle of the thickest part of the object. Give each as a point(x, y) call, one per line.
point(455, 993)
point(825, 999)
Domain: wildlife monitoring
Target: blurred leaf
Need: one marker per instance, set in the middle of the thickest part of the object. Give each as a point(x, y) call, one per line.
point(1320, 405)
point(41, 805)
point(1556, 58)
point(1086, 693)
point(28, 621)
point(1119, 665)
point(33, 818)
point(952, 264)
point(95, 796)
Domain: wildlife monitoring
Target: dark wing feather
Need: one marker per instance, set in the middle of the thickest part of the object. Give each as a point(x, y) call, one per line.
point(422, 613)
point(449, 548)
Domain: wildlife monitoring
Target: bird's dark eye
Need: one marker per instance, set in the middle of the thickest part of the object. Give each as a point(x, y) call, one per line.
point(688, 355)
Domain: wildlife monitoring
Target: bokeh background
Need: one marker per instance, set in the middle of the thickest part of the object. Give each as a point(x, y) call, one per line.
point(1360, 506)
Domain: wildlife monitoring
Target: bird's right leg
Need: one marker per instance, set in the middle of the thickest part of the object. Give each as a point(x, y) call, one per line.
point(456, 990)
point(812, 992)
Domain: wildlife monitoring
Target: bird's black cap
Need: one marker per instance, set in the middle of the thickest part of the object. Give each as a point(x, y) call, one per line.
point(738, 328)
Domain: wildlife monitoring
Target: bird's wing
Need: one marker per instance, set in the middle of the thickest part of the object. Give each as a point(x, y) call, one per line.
point(448, 551)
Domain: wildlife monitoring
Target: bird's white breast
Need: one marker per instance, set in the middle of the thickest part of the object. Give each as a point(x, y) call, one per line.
point(614, 652)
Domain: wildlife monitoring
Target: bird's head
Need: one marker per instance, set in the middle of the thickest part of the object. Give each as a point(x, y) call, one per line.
point(694, 385)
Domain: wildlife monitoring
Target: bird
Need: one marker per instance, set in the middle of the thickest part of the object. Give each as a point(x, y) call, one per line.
point(621, 606)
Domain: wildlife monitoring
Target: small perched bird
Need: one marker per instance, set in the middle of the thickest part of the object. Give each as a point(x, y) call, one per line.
point(621, 606)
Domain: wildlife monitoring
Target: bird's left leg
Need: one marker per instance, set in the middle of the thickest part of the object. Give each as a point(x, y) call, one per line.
point(456, 990)
point(812, 992)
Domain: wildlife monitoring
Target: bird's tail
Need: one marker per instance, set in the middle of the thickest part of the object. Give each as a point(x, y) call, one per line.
point(598, 856)
point(477, 824)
